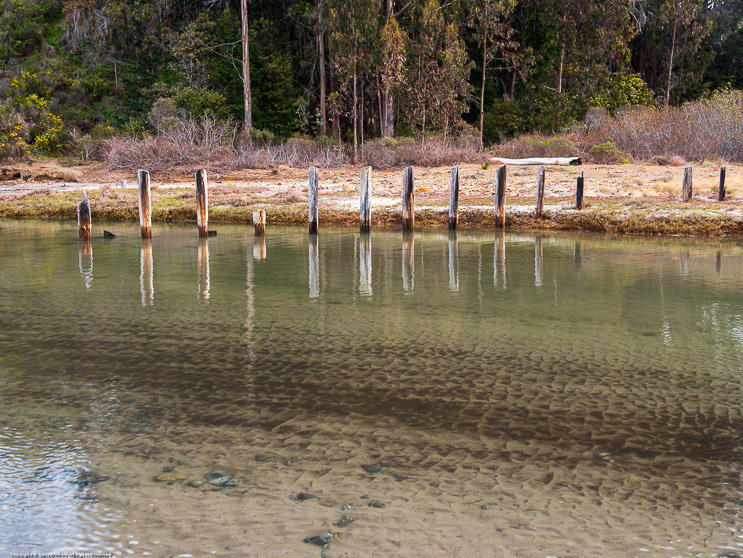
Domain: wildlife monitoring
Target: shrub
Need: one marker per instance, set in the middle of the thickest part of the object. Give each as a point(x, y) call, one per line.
point(607, 152)
point(537, 145)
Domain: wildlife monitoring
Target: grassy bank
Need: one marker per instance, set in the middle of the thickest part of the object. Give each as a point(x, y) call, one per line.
point(235, 205)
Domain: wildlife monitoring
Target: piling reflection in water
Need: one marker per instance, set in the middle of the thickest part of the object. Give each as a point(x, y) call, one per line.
point(85, 262)
point(204, 284)
point(259, 248)
point(408, 262)
point(538, 260)
point(314, 267)
point(577, 256)
point(453, 263)
point(146, 282)
point(365, 265)
point(499, 260)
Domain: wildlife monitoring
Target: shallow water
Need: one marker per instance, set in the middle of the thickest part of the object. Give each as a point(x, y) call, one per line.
point(526, 394)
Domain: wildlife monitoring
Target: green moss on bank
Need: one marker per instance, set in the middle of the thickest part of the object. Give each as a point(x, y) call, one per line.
point(177, 205)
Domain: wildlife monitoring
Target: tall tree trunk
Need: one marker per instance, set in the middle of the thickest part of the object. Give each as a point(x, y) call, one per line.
point(381, 111)
point(361, 119)
point(670, 64)
point(482, 89)
point(246, 66)
point(321, 55)
point(355, 115)
point(559, 70)
point(388, 120)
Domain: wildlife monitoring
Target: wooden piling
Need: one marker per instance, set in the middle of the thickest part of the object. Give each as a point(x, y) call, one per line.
point(202, 202)
point(540, 192)
point(721, 192)
point(579, 192)
point(365, 199)
point(313, 182)
point(145, 209)
point(408, 199)
point(686, 189)
point(454, 198)
point(83, 217)
point(500, 197)
point(259, 222)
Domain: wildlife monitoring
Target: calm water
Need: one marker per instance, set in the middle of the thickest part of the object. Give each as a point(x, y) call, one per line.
point(517, 395)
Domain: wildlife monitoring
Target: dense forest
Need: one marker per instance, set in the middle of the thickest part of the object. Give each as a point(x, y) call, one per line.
point(74, 72)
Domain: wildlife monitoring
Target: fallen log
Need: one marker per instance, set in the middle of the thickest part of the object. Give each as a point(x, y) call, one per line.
point(539, 161)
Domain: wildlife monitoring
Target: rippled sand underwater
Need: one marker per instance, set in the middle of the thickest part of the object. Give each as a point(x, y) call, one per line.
point(471, 395)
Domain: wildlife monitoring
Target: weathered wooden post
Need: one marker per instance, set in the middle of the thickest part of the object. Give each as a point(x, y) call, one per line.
point(579, 192)
point(686, 189)
point(454, 198)
point(202, 203)
point(365, 199)
point(259, 222)
point(408, 199)
point(540, 192)
point(453, 263)
point(500, 197)
point(538, 259)
point(146, 276)
point(721, 192)
point(145, 209)
point(83, 217)
point(314, 268)
point(313, 200)
point(365, 266)
point(408, 262)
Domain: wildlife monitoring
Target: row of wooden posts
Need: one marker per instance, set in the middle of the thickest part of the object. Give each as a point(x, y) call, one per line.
point(408, 198)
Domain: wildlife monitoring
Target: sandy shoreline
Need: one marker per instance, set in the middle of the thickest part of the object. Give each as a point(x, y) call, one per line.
point(640, 199)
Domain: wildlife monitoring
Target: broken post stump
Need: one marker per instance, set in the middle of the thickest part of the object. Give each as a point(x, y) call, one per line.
point(202, 203)
point(454, 198)
point(365, 199)
point(540, 192)
point(721, 192)
point(313, 183)
point(686, 189)
point(500, 197)
point(145, 209)
point(579, 192)
point(259, 222)
point(108, 234)
point(83, 217)
point(408, 199)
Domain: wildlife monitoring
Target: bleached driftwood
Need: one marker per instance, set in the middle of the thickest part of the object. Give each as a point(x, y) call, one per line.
point(539, 161)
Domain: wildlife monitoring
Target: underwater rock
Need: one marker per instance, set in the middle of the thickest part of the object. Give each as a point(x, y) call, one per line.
point(345, 520)
point(224, 482)
point(302, 496)
point(213, 475)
